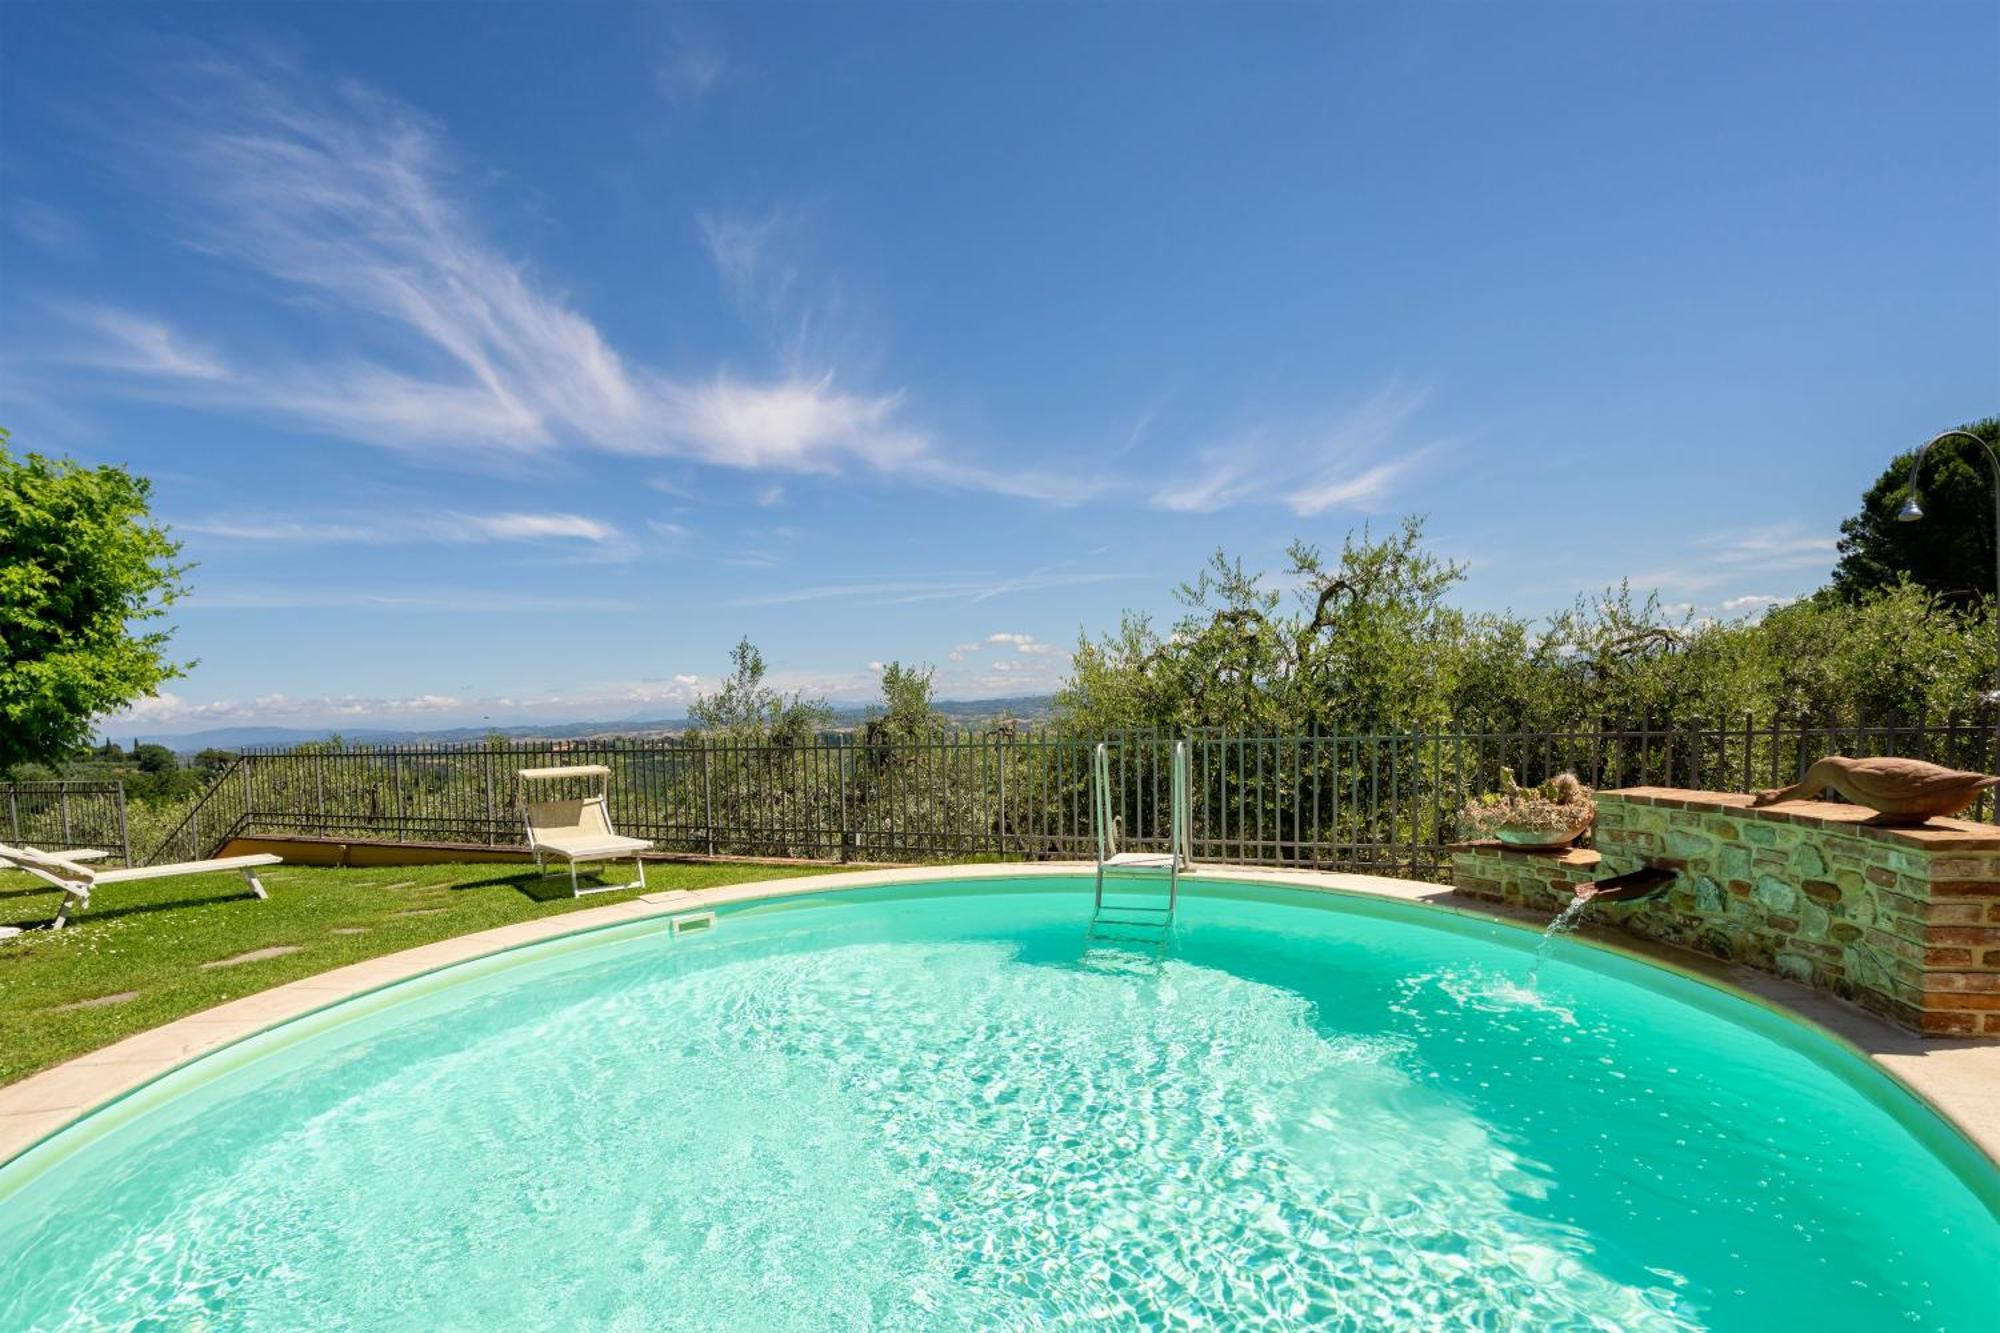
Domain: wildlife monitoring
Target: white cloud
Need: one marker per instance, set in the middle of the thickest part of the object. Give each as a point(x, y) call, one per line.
point(966, 588)
point(1752, 602)
point(48, 228)
point(135, 344)
point(1023, 643)
point(1342, 462)
point(1738, 555)
point(346, 200)
point(468, 601)
point(445, 528)
point(689, 72)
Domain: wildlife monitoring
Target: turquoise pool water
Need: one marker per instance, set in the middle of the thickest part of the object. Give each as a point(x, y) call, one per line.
point(937, 1108)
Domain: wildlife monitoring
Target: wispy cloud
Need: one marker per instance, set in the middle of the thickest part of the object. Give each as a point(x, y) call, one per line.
point(1738, 555)
point(1351, 460)
point(960, 588)
point(463, 601)
point(689, 71)
point(47, 228)
point(458, 351)
point(444, 528)
point(141, 346)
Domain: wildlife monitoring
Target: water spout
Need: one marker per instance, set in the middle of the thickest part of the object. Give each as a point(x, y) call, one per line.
point(1566, 921)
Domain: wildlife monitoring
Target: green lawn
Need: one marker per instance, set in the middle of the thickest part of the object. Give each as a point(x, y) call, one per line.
point(151, 937)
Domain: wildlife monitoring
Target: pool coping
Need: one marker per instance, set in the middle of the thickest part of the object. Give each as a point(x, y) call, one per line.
point(1959, 1079)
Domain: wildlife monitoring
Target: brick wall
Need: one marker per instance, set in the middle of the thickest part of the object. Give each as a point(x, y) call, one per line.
point(1905, 922)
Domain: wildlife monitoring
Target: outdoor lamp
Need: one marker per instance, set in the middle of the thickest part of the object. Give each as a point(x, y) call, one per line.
point(1912, 511)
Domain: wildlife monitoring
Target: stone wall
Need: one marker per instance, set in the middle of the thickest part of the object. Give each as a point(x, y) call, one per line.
point(1905, 922)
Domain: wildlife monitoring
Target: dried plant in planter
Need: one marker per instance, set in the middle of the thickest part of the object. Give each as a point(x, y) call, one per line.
point(1554, 814)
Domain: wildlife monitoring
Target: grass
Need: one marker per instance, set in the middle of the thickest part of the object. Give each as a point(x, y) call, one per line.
point(150, 938)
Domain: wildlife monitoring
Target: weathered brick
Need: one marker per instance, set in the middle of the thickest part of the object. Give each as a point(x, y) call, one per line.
point(1966, 1002)
point(1966, 888)
point(1959, 914)
point(1983, 983)
point(1950, 1025)
point(1935, 957)
point(1974, 935)
point(1880, 875)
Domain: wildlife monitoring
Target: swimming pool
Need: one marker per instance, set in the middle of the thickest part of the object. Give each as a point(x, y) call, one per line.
point(925, 1106)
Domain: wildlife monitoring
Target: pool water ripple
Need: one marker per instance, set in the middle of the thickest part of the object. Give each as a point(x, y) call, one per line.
point(935, 1114)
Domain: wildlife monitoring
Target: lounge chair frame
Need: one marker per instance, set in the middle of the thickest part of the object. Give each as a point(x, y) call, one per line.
point(578, 830)
point(67, 871)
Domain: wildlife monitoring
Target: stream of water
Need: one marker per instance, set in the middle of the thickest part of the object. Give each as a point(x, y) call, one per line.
point(1565, 922)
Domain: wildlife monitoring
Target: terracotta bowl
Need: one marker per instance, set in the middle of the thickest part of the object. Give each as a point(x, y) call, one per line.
point(1514, 835)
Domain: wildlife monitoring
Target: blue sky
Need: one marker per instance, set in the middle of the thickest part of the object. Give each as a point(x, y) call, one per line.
point(511, 362)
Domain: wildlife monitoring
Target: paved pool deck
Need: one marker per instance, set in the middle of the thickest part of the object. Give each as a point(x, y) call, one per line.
point(1960, 1078)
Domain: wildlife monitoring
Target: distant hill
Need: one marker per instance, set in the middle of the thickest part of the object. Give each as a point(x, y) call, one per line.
point(964, 712)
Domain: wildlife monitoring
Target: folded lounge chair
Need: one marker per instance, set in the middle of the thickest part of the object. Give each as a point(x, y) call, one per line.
point(67, 871)
point(580, 829)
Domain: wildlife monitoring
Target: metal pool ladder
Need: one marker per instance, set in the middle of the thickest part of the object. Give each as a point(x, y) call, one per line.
point(1148, 922)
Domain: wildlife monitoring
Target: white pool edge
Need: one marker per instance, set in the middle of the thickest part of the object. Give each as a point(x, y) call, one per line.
point(1960, 1080)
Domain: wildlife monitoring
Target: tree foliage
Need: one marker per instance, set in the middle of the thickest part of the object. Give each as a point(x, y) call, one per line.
point(747, 710)
point(1370, 644)
point(81, 564)
point(906, 714)
point(1950, 551)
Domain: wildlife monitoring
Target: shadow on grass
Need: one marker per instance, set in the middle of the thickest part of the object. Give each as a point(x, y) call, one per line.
point(552, 887)
point(84, 916)
point(31, 891)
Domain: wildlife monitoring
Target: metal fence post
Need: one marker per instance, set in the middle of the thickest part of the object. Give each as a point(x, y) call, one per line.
point(13, 817)
point(124, 831)
point(62, 801)
point(1000, 821)
point(840, 772)
point(707, 800)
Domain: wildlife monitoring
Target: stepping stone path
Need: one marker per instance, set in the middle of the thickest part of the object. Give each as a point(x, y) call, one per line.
point(96, 1002)
point(254, 956)
point(348, 930)
point(422, 911)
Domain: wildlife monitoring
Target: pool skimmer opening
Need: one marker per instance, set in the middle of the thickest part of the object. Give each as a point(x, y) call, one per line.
point(691, 923)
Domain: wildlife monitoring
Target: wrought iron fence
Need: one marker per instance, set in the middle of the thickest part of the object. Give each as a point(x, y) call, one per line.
point(65, 816)
point(1382, 802)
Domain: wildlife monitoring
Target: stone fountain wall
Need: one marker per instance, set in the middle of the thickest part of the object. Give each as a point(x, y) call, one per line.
point(1905, 922)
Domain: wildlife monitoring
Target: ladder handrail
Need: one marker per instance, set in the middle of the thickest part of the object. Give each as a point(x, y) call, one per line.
point(1100, 795)
point(1180, 830)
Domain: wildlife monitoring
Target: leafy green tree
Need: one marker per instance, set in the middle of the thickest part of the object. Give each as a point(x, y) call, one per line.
point(1372, 646)
point(906, 713)
point(1371, 642)
point(212, 761)
point(155, 759)
point(1950, 552)
point(746, 709)
point(81, 564)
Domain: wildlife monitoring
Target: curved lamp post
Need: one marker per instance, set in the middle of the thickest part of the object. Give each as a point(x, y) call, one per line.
point(1912, 511)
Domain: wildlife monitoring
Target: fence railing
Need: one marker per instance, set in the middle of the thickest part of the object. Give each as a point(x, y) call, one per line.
point(64, 816)
point(1382, 802)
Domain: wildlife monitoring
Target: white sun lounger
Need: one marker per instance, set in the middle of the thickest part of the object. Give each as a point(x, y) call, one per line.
point(67, 871)
point(578, 830)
